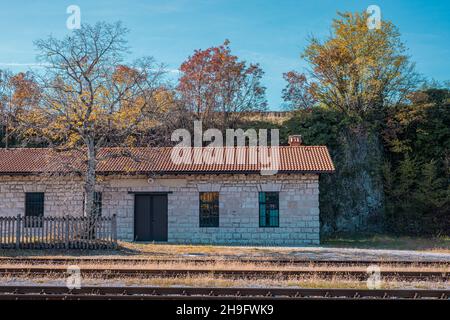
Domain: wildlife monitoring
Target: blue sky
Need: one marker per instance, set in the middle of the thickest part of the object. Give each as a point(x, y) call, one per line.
point(272, 33)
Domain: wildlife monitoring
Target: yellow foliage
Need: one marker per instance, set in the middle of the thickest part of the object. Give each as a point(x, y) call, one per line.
point(355, 65)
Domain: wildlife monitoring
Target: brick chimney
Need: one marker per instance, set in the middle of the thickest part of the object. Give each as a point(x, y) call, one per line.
point(295, 140)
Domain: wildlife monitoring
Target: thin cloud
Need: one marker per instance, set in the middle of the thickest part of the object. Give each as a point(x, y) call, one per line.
point(42, 65)
point(17, 64)
point(173, 71)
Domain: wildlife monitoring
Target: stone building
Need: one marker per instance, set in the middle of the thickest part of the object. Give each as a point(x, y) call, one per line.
point(155, 199)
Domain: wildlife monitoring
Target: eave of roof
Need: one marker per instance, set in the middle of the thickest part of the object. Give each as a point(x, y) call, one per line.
point(35, 161)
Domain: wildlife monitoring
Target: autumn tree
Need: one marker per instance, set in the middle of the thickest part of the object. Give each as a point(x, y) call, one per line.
point(91, 98)
point(297, 93)
point(17, 93)
point(354, 76)
point(6, 106)
point(215, 86)
point(355, 70)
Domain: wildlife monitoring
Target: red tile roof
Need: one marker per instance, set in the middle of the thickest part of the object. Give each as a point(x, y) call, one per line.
point(299, 159)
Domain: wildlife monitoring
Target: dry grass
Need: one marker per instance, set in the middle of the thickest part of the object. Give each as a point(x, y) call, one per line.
point(107, 264)
point(214, 280)
point(149, 249)
point(438, 245)
point(146, 250)
point(208, 281)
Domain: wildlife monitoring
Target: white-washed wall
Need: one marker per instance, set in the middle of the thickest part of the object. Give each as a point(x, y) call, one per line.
point(238, 196)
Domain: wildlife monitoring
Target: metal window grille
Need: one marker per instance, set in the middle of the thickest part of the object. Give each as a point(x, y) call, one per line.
point(269, 214)
point(209, 209)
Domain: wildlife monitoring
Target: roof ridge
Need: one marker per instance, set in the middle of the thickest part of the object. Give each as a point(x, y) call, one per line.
point(163, 147)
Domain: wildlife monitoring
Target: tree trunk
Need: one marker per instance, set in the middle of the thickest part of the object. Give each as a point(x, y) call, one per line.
point(89, 184)
point(6, 136)
point(7, 133)
point(89, 191)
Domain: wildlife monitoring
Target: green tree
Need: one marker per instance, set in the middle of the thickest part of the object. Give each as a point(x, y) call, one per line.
point(417, 141)
point(354, 74)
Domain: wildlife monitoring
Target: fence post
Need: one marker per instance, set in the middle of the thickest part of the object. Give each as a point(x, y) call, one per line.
point(114, 230)
point(18, 224)
point(66, 220)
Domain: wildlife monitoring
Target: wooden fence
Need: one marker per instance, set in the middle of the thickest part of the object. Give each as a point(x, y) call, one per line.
point(58, 232)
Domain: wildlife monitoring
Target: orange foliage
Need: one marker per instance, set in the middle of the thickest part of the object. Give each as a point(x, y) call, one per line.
point(25, 90)
point(215, 80)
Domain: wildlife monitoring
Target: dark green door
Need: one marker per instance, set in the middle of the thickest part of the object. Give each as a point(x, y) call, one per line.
point(150, 217)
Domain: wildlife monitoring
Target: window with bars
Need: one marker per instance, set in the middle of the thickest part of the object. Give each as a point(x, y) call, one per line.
point(209, 209)
point(34, 207)
point(269, 214)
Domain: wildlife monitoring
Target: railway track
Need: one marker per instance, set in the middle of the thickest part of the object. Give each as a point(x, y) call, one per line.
point(108, 273)
point(158, 293)
point(296, 262)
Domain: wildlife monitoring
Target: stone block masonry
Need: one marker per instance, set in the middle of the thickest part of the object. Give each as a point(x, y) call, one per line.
point(238, 204)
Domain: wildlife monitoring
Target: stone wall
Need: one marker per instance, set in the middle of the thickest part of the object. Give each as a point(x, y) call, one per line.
point(238, 202)
point(62, 195)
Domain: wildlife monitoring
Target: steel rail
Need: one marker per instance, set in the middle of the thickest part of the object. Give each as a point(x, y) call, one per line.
point(227, 273)
point(297, 262)
point(144, 293)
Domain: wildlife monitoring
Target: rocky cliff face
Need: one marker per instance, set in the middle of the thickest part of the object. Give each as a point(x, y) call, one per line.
point(352, 199)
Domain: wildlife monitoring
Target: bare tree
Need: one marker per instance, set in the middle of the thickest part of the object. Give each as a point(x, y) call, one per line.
point(90, 98)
